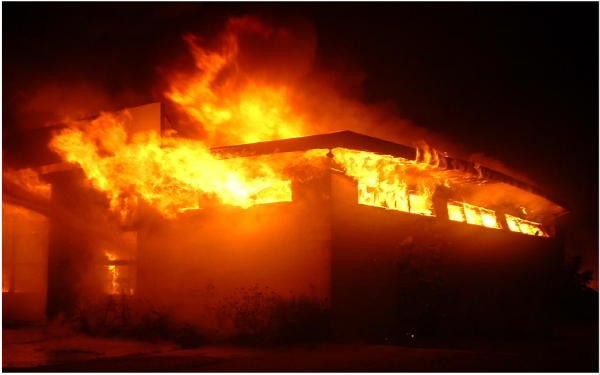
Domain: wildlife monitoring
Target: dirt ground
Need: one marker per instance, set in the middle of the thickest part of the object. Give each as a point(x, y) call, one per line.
point(49, 349)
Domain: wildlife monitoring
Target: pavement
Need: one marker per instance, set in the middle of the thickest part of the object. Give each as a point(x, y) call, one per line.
point(45, 349)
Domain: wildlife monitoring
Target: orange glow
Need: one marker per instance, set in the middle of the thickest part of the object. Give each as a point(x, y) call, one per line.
point(383, 181)
point(531, 228)
point(24, 249)
point(471, 214)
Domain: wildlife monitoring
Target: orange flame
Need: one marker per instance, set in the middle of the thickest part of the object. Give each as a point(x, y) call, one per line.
point(174, 175)
point(171, 174)
point(388, 182)
point(231, 107)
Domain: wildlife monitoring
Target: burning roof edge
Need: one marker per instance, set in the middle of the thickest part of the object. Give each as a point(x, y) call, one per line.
point(356, 141)
point(343, 139)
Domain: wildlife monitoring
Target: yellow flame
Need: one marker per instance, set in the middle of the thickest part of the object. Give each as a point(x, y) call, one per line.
point(171, 174)
point(383, 181)
point(229, 106)
point(233, 108)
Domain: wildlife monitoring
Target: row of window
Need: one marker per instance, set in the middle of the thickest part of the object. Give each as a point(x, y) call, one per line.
point(471, 214)
point(399, 198)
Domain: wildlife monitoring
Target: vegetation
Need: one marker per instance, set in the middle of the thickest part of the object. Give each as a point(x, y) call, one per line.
point(574, 299)
point(117, 316)
point(263, 317)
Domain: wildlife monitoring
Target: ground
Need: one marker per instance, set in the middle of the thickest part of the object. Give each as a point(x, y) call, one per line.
point(574, 348)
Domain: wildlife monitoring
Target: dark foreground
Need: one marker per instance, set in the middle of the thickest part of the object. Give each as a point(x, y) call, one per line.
point(572, 349)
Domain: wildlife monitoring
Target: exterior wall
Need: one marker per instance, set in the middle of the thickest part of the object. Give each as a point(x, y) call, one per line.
point(24, 262)
point(396, 274)
point(76, 238)
point(383, 273)
point(386, 274)
point(81, 231)
point(194, 268)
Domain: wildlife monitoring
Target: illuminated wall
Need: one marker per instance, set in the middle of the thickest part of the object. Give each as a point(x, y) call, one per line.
point(24, 262)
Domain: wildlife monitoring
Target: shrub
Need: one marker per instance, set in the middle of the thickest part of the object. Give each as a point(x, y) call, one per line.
point(263, 317)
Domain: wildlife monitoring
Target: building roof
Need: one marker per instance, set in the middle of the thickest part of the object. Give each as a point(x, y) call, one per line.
point(355, 141)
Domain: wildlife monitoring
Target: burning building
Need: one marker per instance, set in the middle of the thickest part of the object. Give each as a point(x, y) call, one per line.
point(273, 200)
point(389, 239)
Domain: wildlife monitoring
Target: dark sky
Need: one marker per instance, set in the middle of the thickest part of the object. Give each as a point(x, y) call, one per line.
point(517, 81)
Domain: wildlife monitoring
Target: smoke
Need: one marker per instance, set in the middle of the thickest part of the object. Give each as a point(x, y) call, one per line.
point(59, 102)
point(482, 159)
point(101, 232)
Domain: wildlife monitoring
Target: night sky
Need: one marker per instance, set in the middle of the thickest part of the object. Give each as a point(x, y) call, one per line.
point(516, 81)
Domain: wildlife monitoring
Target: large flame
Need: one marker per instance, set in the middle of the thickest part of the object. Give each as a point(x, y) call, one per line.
point(171, 174)
point(389, 182)
point(175, 174)
point(230, 106)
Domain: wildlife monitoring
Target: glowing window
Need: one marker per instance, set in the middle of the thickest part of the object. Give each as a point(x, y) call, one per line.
point(516, 224)
point(488, 218)
point(394, 198)
point(455, 212)
point(420, 204)
point(471, 214)
point(119, 276)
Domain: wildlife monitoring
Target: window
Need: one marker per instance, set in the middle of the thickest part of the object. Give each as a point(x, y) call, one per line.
point(471, 214)
point(516, 224)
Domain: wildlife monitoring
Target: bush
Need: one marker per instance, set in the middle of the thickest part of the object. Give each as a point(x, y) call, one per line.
point(263, 317)
point(115, 316)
